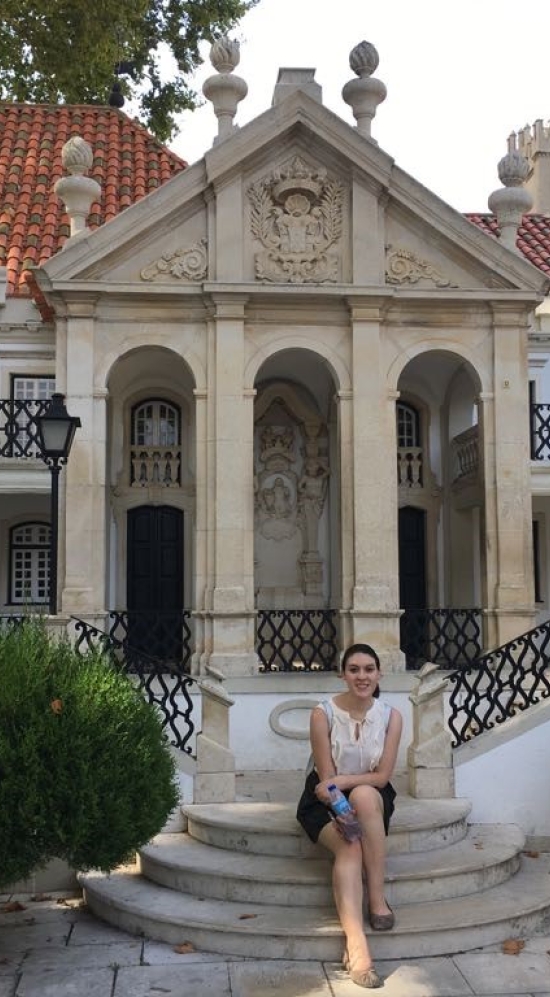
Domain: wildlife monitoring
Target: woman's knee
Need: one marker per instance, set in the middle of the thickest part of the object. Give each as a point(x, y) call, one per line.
point(366, 800)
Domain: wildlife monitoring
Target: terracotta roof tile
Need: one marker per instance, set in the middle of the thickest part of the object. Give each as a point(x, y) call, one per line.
point(533, 236)
point(33, 224)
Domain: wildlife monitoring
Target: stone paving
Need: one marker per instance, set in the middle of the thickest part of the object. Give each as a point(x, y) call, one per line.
point(51, 946)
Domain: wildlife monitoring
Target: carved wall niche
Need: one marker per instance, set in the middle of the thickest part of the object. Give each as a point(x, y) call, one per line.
point(291, 472)
point(296, 214)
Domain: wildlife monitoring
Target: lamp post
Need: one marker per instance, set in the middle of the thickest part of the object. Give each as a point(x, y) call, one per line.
point(56, 429)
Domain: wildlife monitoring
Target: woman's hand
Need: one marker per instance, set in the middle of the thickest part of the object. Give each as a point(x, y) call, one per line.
point(321, 790)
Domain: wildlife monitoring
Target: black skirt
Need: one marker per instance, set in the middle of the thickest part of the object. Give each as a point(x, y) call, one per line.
point(313, 815)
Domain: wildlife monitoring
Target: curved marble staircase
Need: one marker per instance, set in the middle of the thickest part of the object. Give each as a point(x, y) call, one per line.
point(244, 880)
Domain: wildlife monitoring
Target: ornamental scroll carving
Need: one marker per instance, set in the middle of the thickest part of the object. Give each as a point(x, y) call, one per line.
point(189, 263)
point(296, 214)
point(405, 267)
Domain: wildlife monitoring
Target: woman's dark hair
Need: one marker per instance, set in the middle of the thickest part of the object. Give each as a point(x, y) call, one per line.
point(361, 649)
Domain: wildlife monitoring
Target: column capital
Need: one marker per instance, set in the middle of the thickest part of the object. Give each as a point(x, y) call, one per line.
point(365, 309)
point(221, 305)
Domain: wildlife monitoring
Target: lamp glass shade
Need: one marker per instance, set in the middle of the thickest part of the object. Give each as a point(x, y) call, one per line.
point(57, 429)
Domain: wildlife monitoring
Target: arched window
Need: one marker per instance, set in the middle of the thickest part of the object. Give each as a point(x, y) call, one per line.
point(155, 452)
point(29, 563)
point(156, 423)
point(408, 426)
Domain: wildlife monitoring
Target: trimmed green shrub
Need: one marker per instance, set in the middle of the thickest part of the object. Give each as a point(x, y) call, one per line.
point(86, 774)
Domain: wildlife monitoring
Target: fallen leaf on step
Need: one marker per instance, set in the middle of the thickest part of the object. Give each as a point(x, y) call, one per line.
point(513, 946)
point(532, 854)
point(478, 845)
point(12, 907)
point(184, 948)
point(40, 897)
point(246, 917)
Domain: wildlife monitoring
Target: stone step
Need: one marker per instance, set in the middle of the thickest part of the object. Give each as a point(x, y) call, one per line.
point(265, 828)
point(519, 907)
point(488, 855)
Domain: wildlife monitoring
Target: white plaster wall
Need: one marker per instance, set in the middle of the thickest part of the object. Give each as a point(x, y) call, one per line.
point(506, 775)
point(257, 746)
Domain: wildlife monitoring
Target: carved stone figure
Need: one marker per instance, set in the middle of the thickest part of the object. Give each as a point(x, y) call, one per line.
point(312, 488)
point(296, 214)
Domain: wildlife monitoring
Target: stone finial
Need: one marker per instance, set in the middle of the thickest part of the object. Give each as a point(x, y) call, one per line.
point(225, 54)
point(78, 192)
point(511, 201)
point(225, 90)
point(365, 93)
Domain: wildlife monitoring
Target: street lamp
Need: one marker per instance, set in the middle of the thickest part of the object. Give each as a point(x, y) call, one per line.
point(56, 429)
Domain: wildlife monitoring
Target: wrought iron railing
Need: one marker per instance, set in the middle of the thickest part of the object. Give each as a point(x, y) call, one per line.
point(451, 638)
point(297, 640)
point(19, 427)
point(500, 684)
point(540, 431)
point(163, 636)
point(163, 684)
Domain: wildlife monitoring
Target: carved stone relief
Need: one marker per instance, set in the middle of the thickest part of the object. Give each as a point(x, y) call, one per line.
point(290, 489)
point(405, 267)
point(188, 263)
point(296, 214)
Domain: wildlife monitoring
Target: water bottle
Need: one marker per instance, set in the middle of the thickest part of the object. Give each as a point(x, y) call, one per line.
point(341, 807)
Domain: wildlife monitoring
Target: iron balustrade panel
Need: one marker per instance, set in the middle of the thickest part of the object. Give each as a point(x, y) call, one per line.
point(19, 435)
point(164, 636)
point(163, 684)
point(540, 432)
point(500, 684)
point(450, 637)
point(297, 640)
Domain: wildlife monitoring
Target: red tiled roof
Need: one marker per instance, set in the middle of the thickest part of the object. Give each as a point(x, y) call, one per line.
point(533, 236)
point(128, 163)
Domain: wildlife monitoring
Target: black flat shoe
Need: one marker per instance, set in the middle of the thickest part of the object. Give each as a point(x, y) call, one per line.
point(382, 922)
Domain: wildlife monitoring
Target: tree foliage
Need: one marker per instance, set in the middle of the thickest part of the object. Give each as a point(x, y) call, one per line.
point(86, 774)
point(65, 51)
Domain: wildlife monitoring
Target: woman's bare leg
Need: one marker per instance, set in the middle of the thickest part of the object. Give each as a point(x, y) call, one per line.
point(368, 804)
point(347, 885)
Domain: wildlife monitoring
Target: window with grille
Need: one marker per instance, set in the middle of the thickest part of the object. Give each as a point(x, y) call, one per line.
point(408, 426)
point(30, 563)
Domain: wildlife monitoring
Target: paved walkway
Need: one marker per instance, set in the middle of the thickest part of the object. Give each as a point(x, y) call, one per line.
point(53, 947)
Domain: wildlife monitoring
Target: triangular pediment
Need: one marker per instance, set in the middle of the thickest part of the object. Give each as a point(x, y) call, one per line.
point(297, 197)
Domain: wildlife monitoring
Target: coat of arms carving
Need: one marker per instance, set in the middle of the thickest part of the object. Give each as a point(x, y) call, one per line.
point(296, 214)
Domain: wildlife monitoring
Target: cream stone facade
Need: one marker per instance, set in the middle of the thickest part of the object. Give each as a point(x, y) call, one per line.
point(302, 383)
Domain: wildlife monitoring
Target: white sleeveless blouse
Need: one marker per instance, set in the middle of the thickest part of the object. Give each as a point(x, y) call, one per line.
point(357, 746)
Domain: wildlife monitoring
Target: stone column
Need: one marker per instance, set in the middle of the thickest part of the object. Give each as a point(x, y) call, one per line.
point(375, 600)
point(83, 584)
point(430, 756)
point(232, 617)
point(508, 514)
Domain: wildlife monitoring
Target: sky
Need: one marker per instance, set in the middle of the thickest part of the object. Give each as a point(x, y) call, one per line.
point(460, 78)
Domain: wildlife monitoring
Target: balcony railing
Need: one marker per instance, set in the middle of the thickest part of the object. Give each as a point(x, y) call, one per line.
point(540, 432)
point(450, 638)
point(165, 636)
point(19, 427)
point(289, 640)
point(409, 467)
point(465, 455)
point(156, 466)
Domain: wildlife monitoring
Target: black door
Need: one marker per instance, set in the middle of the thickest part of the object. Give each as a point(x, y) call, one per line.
point(155, 581)
point(412, 585)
